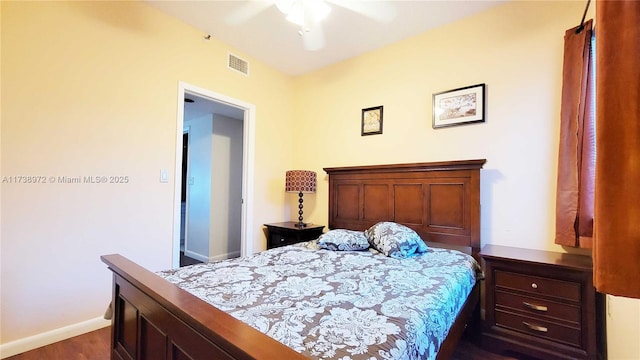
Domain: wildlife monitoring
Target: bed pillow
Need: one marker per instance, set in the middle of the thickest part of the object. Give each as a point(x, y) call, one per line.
point(343, 240)
point(395, 240)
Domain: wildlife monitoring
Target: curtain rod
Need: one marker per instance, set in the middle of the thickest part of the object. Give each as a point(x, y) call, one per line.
point(581, 27)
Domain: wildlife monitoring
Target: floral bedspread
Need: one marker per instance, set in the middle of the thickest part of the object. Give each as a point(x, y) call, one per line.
point(340, 304)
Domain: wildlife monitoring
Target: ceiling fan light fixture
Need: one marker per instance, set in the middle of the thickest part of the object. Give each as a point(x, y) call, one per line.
point(303, 12)
point(284, 5)
point(296, 14)
point(318, 10)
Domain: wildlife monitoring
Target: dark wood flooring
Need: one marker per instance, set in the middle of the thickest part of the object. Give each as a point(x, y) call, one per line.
point(185, 260)
point(95, 346)
point(90, 346)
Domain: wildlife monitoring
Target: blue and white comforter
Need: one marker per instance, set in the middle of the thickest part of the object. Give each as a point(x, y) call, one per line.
point(344, 305)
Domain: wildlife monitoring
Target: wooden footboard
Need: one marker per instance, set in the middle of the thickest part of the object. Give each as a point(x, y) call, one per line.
point(154, 319)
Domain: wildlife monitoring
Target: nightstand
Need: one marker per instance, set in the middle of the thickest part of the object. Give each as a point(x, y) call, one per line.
point(286, 233)
point(541, 304)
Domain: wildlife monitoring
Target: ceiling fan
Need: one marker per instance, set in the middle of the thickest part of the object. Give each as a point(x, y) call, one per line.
point(309, 14)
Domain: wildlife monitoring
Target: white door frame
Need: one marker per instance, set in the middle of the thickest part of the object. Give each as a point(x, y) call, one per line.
point(246, 242)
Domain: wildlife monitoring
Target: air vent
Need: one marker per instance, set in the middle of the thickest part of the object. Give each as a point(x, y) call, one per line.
point(237, 64)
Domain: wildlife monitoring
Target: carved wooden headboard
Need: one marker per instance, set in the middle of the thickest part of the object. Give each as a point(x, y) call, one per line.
point(439, 200)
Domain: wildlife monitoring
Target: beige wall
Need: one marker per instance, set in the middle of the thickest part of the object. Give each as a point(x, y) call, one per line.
point(226, 188)
point(90, 89)
point(517, 50)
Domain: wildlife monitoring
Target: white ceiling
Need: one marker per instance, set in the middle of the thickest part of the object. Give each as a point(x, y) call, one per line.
point(203, 106)
point(259, 29)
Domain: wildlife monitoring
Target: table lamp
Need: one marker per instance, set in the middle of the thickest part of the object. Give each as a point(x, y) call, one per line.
point(300, 181)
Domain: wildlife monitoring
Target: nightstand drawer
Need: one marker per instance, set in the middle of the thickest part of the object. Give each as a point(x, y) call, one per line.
point(538, 285)
point(276, 240)
point(538, 307)
point(280, 239)
point(287, 233)
point(540, 328)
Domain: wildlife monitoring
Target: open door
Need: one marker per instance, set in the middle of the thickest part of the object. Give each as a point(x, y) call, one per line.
point(224, 108)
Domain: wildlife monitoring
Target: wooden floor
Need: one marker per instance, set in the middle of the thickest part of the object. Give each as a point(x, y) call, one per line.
point(95, 346)
point(185, 260)
point(90, 346)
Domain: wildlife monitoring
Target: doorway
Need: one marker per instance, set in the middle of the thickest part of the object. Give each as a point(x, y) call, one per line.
point(221, 107)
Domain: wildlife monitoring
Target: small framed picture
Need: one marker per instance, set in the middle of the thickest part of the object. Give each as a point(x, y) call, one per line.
point(459, 106)
point(372, 121)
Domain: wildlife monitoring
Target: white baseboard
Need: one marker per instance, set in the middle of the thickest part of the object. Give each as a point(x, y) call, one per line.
point(199, 257)
point(33, 342)
point(195, 255)
point(233, 254)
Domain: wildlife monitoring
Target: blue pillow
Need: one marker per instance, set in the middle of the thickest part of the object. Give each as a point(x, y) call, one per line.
point(343, 240)
point(395, 240)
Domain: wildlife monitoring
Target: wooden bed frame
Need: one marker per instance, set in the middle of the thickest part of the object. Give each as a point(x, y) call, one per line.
point(154, 319)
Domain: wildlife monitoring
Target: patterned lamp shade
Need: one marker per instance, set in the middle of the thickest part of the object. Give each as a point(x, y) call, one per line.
point(301, 181)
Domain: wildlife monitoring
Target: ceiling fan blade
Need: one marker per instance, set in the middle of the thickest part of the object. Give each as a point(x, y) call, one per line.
point(313, 37)
point(383, 11)
point(248, 10)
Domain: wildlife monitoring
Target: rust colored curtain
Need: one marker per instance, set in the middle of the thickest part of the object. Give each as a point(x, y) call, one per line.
point(576, 155)
point(617, 201)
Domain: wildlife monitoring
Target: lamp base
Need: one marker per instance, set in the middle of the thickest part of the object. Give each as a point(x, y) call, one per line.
point(300, 224)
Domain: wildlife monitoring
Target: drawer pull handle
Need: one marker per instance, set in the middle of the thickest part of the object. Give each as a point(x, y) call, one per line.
point(535, 327)
point(534, 285)
point(282, 240)
point(535, 307)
